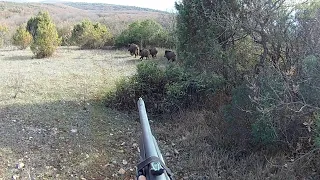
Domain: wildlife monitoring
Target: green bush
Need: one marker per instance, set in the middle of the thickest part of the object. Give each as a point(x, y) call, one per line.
point(65, 34)
point(22, 38)
point(263, 132)
point(317, 130)
point(89, 35)
point(3, 32)
point(45, 36)
point(163, 90)
point(145, 33)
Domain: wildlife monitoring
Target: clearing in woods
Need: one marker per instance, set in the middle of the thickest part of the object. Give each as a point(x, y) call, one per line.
point(53, 122)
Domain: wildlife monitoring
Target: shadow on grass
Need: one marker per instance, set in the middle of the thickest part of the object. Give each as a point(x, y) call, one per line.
point(8, 50)
point(81, 136)
point(18, 58)
point(133, 61)
point(120, 57)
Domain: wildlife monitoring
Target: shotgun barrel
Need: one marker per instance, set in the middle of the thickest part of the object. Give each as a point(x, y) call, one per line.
point(151, 161)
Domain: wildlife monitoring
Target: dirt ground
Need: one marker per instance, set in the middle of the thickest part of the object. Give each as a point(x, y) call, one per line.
point(53, 122)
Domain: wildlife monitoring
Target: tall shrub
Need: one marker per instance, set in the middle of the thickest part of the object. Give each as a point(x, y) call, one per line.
point(89, 35)
point(3, 32)
point(22, 38)
point(45, 36)
point(145, 33)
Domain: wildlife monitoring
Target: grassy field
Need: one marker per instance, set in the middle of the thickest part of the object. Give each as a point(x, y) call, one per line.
point(53, 122)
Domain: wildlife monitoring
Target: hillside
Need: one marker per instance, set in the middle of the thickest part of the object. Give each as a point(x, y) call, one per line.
point(67, 13)
point(99, 7)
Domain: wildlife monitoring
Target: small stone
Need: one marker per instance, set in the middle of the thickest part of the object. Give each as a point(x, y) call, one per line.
point(114, 162)
point(14, 177)
point(176, 151)
point(134, 145)
point(124, 162)
point(111, 134)
point(20, 165)
point(74, 130)
point(121, 171)
point(168, 154)
point(122, 143)
point(131, 169)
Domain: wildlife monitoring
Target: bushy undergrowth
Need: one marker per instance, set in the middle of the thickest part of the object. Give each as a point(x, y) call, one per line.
point(164, 89)
point(199, 137)
point(44, 33)
point(22, 38)
point(277, 110)
point(145, 33)
point(89, 35)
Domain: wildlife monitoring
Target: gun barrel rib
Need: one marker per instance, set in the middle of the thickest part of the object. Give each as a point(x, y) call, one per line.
point(150, 145)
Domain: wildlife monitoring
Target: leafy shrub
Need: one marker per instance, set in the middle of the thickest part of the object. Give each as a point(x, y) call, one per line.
point(64, 34)
point(22, 38)
point(3, 32)
point(89, 35)
point(145, 33)
point(45, 36)
point(317, 130)
point(163, 90)
point(275, 109)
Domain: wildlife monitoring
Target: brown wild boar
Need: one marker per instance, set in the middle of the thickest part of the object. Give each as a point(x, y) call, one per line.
point(134, 49)
point(170, 55)
point(153, 51)
point(144, 53)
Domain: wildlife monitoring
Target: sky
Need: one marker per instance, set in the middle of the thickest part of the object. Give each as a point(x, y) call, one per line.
point(164, 5)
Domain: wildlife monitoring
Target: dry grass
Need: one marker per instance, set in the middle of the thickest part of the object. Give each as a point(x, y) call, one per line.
point(71, 74)
point(52, 119)
point(195, 152)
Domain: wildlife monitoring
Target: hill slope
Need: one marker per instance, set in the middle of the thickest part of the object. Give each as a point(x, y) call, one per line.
point(67, 13)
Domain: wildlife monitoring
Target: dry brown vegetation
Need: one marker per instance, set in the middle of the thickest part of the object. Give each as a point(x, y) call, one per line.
point(53, 124)
point(114, 16)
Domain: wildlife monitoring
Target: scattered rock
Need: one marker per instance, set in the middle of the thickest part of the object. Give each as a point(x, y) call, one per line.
point(122, 171)
point(168, 154)
point(176, 151)
point(114, 162)
point(20, 165)
point(134, 145)
point(74, 130)
point(14, 177)
point(124, 162)
point(111, 134)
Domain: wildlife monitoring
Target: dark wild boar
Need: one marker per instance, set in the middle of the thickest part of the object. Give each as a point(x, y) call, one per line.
point(133, 49)
point(144, 53)
point(170, 55)
point(153, 51)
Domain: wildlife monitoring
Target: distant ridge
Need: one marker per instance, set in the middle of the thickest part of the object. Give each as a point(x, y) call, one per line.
point(117, 17)
point(104, 7)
